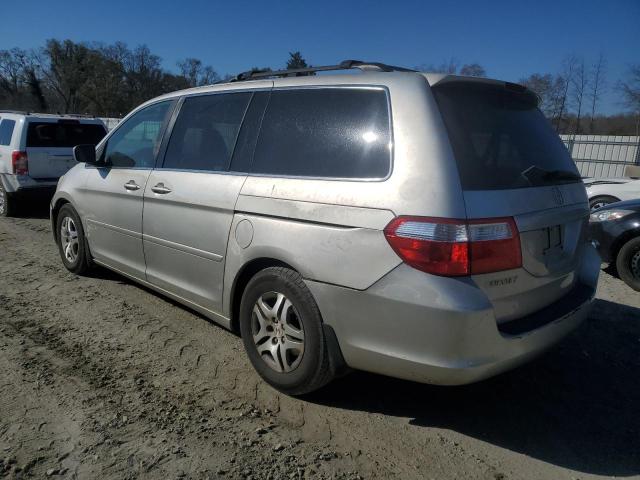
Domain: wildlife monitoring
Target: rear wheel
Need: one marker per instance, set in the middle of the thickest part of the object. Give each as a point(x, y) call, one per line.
point(7, 207)
point(72, 242)
point(282, 332)
point(628, 263)
point(601, 201)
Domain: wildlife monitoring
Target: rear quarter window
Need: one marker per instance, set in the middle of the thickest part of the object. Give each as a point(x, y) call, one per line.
point(63, 134)
point(6, 131)
point(326, 133)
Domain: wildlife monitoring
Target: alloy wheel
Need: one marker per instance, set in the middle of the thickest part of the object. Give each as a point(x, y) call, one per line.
point(69, 239)
point(278, 332)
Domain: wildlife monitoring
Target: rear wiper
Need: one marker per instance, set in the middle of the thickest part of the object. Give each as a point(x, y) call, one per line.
point(536, 175)
point(561, 175)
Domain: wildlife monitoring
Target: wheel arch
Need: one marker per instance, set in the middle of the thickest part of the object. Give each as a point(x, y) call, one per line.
point(242, 278)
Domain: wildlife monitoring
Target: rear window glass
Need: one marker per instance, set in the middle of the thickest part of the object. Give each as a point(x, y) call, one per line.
point(501, 140)
point(325, 132)
point(6, 131)
point(63, 135)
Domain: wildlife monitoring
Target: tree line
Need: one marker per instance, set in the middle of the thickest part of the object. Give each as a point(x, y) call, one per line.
point(111, 79)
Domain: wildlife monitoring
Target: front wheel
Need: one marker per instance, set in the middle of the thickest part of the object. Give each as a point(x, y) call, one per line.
point(72, 243)
point(282, 332)
point(628, 263)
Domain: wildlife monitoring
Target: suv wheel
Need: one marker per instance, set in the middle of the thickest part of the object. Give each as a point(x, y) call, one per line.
point(72, 242)
point(6, 203)
point(628, 263)
point(282, 332)
point(601, 201)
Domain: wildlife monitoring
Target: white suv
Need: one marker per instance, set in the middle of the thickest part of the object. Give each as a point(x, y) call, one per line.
point(37, 149)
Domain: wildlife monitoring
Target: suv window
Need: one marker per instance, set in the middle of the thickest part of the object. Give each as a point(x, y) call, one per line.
point(501, 139)
point(325, 132)
point(63, 134)
point(205, 132)
point(135, 143)
point(6, 131)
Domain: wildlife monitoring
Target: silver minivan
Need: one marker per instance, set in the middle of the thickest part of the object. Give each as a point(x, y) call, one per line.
point(424, 226)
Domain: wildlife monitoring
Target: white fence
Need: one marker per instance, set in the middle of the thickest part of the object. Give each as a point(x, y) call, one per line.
point(603, 156)
point(110, 123)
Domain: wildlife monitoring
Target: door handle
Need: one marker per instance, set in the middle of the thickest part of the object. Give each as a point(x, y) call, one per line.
point(160, 188)
point(132, 185)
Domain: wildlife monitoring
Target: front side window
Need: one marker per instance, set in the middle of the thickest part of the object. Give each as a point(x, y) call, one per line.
point(205, 132)
point(325, 132)
point(6, 131)
point(136, 142)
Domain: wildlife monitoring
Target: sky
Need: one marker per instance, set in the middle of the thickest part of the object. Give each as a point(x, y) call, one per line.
point(511, 39)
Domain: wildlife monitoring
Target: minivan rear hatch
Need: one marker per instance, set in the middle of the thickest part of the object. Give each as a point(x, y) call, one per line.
point(50, 144)
point(512, 164)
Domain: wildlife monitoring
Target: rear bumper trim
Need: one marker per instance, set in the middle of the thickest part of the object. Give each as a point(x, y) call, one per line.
point(579, 295)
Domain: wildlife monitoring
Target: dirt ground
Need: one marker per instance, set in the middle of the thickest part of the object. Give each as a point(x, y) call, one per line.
point(100, 378)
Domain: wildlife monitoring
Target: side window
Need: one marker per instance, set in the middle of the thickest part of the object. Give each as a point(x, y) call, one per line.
point(205, 132)
point(6, 131)
point(246, 144)
point(325, 132)
point(136, 142)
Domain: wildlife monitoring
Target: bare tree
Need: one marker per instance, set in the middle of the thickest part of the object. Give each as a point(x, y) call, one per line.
point(473, 70)
point(630, 89)
point(569, 65)
point(449, 66)
point(196, 73)
point(597, 86)
point(580, 83)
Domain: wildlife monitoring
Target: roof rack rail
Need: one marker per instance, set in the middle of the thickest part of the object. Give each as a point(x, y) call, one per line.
point(297, 72)
point(76, 115)
point(20, 112)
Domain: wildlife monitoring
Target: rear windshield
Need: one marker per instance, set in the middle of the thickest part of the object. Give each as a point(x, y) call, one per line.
point(61, 135)
point(501, 139)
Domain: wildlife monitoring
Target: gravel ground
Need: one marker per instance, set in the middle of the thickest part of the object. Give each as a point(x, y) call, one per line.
point(104, 379)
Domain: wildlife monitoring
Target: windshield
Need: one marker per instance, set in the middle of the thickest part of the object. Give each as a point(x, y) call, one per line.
point(500, 139)
point(61, 135)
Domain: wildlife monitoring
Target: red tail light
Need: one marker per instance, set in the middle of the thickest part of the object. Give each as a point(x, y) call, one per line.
point(456, 247)
point(19, 163)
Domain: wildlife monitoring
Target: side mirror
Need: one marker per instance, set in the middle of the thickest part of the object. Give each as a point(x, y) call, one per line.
point(85, 154)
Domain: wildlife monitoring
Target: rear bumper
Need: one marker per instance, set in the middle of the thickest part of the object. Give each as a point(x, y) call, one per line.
point(443, 330)
point(24, 183)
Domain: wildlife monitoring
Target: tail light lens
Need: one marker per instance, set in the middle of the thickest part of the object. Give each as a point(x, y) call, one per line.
point(455, 247)
point(20, 163)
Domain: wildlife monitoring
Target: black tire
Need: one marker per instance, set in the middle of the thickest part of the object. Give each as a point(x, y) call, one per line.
point(628, 263)
point(601, 201)
point(314, 368)
point(7, 203)
point(82, 263)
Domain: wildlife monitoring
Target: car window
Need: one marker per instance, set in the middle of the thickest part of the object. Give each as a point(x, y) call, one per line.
point(135, 143)
point(325, 132)
point(6, 131)
point(205, 132)
point(500, 139)
point(246, 143)
point(63, 134)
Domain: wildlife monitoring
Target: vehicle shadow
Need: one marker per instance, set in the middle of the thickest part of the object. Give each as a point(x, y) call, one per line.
point(576, 407)
point(36, 207)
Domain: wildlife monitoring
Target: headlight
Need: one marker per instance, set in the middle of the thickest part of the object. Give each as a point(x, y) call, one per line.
point(608, 215)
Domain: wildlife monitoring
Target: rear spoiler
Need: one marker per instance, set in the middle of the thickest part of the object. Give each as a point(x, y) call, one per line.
point(439, 79)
